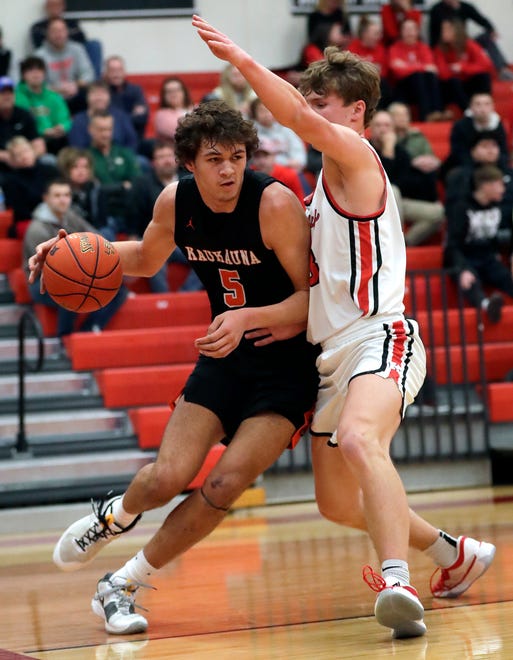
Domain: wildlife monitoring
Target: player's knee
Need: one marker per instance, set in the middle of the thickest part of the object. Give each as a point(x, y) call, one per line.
point(359, 448)
point(339, 513)
point(220, 490)
point(161, 485)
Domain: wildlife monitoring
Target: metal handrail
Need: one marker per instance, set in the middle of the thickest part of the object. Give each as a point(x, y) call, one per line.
point(28, 317)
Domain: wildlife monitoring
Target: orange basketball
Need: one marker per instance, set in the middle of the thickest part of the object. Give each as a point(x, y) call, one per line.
point(82, 272)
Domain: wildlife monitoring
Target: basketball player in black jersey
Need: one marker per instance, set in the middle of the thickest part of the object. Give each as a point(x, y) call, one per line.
point(247, 238)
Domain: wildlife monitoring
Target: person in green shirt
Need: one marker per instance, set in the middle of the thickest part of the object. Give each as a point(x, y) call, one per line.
point(114, 166)
point(48, 108)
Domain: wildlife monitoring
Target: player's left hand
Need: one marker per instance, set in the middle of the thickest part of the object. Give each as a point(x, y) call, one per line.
point(37, 260)
point(220, 45)
point(223, 334)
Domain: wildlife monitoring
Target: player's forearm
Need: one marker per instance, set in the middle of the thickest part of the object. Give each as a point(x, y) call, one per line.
point(282, 99)
point(133, 260)
point(291, 311)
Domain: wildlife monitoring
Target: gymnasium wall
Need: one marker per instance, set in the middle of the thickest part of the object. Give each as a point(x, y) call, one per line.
point(266, 28)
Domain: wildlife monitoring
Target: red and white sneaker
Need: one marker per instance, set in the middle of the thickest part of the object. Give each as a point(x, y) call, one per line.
point(473, 559)
point(397, 606)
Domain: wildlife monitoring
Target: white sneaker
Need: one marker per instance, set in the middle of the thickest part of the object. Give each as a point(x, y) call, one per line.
point(84, 539)
point(474, 557)
point(397, 606)
point(114, 602)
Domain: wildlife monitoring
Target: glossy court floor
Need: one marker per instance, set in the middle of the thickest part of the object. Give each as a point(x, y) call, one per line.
point(270, 582)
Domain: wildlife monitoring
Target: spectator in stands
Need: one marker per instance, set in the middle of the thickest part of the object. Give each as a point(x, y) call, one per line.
point(114, 166)
point(368, 45)
point(464, 67)
point(290, 150)
point(175, 102)
point(325, 34)
point(478, 230)
point(393, 15)
point(480, 117)
point(414, 73)
point(484, 151)
point(48, 108)
point(68, 67)
point(233, 90)
point(415, 190)
point(413, 140)
point(125, 95)
point(143, 195)
point(5, 57)
point(87, 196)
point(264, 160)
point(329, 12)
point(15, 121)
point(55, 9)
point(24, 182)
point(98, 100)
point(52, 214)
point(466, 11)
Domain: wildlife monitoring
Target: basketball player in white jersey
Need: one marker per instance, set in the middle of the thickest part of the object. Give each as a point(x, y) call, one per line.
point(373, 361)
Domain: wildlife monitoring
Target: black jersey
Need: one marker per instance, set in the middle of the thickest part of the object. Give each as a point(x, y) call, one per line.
point(228, 254)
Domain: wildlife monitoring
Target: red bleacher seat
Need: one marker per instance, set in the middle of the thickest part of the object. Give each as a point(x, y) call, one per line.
point(131, 348)
point(500, 397)
point(157, 310)
point(424, 257)
point(142, 386)
point(438, 133)
point(10, 254)
point(6, 219)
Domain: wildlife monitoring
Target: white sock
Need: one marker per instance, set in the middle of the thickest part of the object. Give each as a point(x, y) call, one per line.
point(394, 571)
point(137, 569)
point(121, 516)
point(444, 551)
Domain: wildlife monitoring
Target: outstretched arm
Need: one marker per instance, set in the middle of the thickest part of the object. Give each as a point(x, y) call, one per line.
point(283, 100)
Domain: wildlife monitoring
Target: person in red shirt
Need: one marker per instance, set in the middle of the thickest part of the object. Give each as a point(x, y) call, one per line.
point(369, 46)
point(264, 161)
point(325, 34)
point(393, 16)
point(464, 66)
point(415, 74)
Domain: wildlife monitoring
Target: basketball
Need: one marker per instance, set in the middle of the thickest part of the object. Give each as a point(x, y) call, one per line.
point(82, 272)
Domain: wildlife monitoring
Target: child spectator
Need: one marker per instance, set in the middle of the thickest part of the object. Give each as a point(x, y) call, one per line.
point(325, 34)
point(264, 160)
point(478, 230)
point(463, 66)
point(48, 108)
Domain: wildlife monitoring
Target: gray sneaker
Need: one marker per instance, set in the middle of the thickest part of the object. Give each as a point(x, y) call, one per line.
point(114, 602)
point(84, 539)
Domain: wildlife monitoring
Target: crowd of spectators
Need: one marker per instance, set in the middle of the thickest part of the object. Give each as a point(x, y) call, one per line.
point(74, 114)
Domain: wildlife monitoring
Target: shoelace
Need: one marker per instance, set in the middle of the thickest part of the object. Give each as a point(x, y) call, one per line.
point(100, 527)
point(373, 580)
point(125, 595)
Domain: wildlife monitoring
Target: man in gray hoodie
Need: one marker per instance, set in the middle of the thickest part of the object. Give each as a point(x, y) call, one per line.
point(53, 214)
point(68, 68)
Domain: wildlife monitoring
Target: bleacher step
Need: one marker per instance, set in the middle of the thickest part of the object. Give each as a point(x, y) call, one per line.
point(40, 427)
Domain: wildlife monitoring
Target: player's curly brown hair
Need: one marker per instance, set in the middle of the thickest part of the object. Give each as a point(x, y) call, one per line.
point(346, 75)
point(213, 122)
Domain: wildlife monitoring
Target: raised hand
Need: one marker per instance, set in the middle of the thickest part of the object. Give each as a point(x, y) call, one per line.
point(220, 45)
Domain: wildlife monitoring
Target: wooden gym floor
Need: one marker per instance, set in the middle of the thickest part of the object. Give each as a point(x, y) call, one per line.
point(270, 582)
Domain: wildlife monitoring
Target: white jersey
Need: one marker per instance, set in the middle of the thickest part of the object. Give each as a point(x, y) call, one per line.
point(357, 264)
